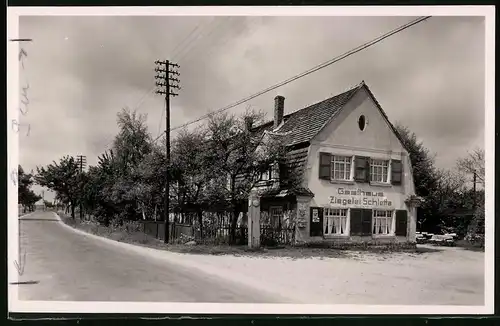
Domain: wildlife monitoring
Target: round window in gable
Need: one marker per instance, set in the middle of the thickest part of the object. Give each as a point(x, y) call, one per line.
point(362, 122)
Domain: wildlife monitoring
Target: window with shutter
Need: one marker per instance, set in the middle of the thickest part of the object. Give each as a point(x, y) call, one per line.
point(362, 169)
point(325, 161)
point(396, 172)
point(341, 168)
point(379, 171)
point(401, 222)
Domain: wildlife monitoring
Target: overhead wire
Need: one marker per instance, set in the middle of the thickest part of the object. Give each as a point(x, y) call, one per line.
point(307, 72)
point(150, 91)
point(251, 23)
point(211, 27)
point(185, 46)
point(182, 46)
point(222, 25)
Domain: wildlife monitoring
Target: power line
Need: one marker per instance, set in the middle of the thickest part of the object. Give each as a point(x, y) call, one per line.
point(183, 46)
point(250, 23)
point(151, 91)
point(178, 48)
point(310, 71)
point(217, 25)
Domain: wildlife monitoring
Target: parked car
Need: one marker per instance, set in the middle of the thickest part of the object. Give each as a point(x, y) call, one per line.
point(442, 240)
point(453, 235)
point(421, 238)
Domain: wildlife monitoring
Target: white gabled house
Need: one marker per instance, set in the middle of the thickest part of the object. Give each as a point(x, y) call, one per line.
point(355, 176)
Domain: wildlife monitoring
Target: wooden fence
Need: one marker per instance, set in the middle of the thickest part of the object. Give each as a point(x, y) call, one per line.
point(157, 229)
point(217, 229)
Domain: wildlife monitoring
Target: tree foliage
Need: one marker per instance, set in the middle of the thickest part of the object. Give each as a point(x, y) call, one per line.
point(26, 197)
point(473, 163)
point(448, 199)
point(236, 158)
point(64, 179)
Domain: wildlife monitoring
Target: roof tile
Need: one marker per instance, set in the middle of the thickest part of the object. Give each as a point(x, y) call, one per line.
point(302, 125)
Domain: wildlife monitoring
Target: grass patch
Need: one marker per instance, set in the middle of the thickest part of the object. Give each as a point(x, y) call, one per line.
point(424, 250)
point(472, 246)
point(320, 250)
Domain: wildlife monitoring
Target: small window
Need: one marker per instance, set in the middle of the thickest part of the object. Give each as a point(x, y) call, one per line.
point(265, 176)
point(276, 215)
point(379, 171)
point(362, 122)
point(341, 167)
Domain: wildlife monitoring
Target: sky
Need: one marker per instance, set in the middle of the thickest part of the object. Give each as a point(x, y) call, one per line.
point(83, 70)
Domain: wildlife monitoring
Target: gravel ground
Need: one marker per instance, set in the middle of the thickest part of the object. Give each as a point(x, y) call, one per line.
point(444, 276)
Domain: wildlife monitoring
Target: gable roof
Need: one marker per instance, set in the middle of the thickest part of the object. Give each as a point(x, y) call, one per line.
point(302, 126)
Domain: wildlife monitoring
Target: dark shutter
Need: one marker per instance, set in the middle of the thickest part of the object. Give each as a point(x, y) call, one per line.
point(356, 221)
point(396, 172)
point(316, 227)
point(362, 169)
point(325, 166)
point(401, 222)
point(367, 222)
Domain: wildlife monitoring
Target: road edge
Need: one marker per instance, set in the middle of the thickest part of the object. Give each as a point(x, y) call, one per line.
point(184, 260)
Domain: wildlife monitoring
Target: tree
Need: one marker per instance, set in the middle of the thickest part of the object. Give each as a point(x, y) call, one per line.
point(131, 146)
point(473, 164)
point(99, 181)
point(115, 188)
point(151, 187)
point(236, 157)
point(64, 179)
point(191, 172)
point(426, 178)
point(26, 197)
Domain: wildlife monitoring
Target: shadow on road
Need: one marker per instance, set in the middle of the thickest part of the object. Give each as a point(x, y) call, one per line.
point(424, 250)
point(40, 219)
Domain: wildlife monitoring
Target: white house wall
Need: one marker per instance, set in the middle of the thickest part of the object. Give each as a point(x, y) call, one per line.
point(343, 137)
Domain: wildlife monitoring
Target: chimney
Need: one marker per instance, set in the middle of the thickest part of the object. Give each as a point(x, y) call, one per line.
point(279, 109)
point(248, 123)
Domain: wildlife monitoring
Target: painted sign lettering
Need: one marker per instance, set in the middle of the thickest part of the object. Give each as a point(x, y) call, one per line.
point(360, 192)
point(347, 197)
point(359, 201)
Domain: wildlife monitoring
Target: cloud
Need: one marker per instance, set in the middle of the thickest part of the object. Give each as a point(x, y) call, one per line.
point(83, 70)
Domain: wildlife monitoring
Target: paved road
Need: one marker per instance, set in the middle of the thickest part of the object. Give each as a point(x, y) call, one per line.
point(70, 266)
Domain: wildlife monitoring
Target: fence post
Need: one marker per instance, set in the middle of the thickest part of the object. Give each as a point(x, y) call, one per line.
point(254, 220)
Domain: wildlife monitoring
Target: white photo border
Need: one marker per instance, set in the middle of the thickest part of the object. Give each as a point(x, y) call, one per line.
point(17, 306)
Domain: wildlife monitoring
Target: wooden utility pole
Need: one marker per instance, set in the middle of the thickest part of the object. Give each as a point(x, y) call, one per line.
point(165, 75)
point(474, 189)
point(82, 161)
